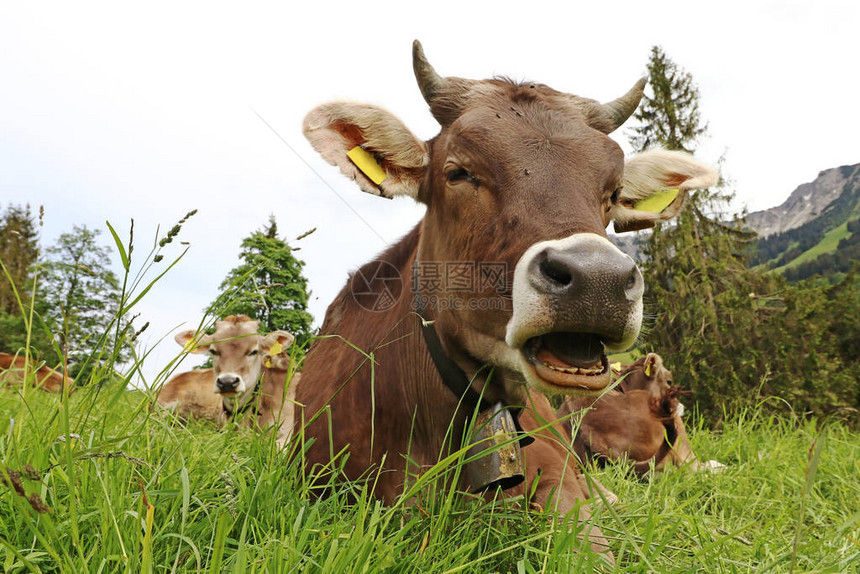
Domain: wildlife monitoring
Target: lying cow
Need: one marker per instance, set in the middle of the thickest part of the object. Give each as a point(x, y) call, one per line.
point(12, 369)
point(248, 373)
point(510, 268)
point(638, 421)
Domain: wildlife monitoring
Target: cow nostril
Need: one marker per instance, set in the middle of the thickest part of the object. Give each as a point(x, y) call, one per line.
point(227, 382)
point(556, 271)
point(633, 281)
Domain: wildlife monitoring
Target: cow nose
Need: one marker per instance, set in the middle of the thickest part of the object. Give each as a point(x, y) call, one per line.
point(580, 270)
point(227, 383)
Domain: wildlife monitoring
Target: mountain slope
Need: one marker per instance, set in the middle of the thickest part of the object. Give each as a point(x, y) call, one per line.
point(814, 231)
point(805, 203)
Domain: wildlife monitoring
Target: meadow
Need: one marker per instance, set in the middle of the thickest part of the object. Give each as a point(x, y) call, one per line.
point(98, 482)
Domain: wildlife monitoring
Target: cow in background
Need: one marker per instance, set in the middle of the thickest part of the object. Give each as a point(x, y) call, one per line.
point(638, 421)
point(12, 369)
point(249, 373)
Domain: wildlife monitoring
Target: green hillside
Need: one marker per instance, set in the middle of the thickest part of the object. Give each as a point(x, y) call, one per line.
point(828, 245)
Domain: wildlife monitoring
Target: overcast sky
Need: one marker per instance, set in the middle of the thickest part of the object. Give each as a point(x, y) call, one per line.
point(112, 111)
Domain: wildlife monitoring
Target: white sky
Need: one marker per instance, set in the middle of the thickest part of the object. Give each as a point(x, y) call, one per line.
point(110, 111)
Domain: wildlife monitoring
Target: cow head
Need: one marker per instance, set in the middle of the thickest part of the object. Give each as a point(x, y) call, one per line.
point(524, 177)
point(239, 354)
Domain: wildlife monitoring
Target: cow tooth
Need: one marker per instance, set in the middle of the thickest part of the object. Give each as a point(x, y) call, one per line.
point(568, 370)
point(574, 370)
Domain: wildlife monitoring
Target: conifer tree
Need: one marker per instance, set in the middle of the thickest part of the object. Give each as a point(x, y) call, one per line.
point(669, 116)
point(19, 250)
point(730, 333)
point(19, 253)
point(268, 286)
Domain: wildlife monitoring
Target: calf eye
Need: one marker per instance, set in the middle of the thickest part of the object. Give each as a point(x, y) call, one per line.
point(214, 352)
point(252, 353)
point(615, 195)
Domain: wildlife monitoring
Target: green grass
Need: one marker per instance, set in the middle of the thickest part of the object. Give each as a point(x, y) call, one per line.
point(627, 357)
point(827, 244)
point(97, 482)
point(137, 492)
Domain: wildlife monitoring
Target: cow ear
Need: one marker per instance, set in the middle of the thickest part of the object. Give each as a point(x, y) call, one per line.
point(186, 340)
point(370, 146)
point(653, 363)
point(654, 188)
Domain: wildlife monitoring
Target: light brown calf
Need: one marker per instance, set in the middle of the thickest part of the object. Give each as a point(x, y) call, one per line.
point(640, 421)
point(249, 374)
point(12, 369)
point(189, 395)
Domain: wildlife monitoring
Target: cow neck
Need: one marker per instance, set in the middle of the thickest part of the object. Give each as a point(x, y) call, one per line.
point(252, 400)
point(451, 373)
point(669, 439)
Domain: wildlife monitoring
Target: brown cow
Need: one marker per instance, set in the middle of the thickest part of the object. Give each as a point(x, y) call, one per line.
point(12, 369)
point(249, 371)
point(520, 184)
point(639, 421)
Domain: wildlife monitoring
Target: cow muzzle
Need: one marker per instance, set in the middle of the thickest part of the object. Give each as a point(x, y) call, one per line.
point(574, 300)
point(229, 384)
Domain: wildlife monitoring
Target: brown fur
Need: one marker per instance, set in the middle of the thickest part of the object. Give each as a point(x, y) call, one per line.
point(12, 373)
point(189, 395)
point(638, 422)
point(514, 164)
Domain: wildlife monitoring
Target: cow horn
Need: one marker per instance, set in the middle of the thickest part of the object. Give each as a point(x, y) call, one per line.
point(429, 82)
point(616, 112)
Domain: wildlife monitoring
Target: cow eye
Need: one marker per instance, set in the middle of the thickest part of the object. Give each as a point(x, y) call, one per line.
point(252, 353)
point(214, 352)
point(615, 195)
point(460, 175)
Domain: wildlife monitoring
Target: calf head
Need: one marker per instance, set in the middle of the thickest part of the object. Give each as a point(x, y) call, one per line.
point(523, 177)
point(647, 374)
point(239, 355)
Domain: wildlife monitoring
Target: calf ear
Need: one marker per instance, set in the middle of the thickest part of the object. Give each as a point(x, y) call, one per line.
point(186, 340)
point(655, 186)
point(653, 364)
point(275, 342)
point(370, 146)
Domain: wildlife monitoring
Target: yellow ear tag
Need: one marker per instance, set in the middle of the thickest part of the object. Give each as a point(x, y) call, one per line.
point(268, 363)
point(275, 349)
point(648, 370)
point(190, 345)
point(616, 367)
point(367, 164)
point(657, 201)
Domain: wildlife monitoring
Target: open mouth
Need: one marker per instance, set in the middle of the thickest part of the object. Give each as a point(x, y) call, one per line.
point(569, 361)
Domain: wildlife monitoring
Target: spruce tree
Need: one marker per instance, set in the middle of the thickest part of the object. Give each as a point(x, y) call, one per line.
point(19, 253)
point(669, 115)
point(19, 250)
point(268, 286)
point(731, 333)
